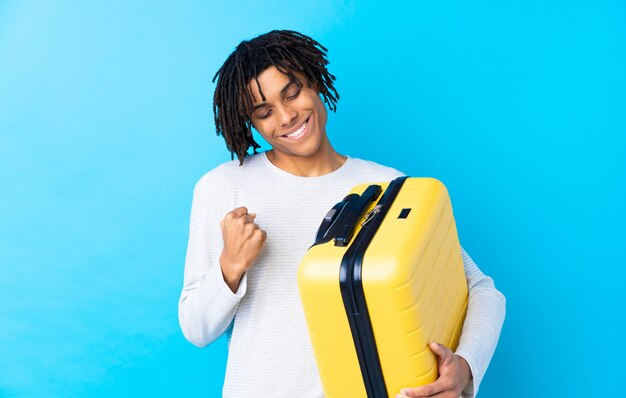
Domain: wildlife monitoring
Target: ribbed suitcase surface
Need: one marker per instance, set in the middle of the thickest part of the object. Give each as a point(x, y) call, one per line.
point(374, 297)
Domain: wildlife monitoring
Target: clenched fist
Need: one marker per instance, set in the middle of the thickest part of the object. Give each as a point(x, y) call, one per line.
point(243, 241)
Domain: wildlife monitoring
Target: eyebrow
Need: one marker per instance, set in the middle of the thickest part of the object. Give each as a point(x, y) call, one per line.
point(262, 104)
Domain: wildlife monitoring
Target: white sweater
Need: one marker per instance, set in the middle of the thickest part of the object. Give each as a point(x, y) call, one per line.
point(270, 354)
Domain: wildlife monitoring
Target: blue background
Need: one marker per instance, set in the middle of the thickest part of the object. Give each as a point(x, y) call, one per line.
point(106, 124)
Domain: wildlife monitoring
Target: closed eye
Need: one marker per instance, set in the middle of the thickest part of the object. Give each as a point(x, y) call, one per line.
point(294, 96)
point(290, 98)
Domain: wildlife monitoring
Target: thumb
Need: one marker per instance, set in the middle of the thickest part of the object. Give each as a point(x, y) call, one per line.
point(443, 352)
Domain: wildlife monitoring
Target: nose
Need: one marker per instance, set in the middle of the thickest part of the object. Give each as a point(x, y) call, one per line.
point(286, 115)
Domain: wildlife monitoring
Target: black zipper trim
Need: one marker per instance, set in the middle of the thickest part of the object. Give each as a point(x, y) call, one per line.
point(354, 298)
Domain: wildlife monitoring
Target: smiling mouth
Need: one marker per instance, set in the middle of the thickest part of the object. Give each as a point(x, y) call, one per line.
point(299, 132)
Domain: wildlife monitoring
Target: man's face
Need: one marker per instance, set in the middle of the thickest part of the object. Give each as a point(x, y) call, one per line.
point(286, 109)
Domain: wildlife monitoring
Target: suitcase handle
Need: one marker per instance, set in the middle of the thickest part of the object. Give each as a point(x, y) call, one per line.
point(354, 210)
point(330, 218)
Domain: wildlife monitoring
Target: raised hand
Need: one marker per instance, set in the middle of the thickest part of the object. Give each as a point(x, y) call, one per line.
point(243, 241)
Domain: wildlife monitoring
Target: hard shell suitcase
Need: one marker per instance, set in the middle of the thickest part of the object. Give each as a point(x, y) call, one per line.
point(383, 279)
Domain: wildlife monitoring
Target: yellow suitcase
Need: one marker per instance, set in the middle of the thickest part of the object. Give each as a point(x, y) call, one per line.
point(382, 280)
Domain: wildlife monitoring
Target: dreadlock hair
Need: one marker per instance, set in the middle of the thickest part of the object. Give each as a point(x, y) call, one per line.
point(288, 51)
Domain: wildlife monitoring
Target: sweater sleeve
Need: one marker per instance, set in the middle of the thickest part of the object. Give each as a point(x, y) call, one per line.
point(206, 306)
point(483, 322)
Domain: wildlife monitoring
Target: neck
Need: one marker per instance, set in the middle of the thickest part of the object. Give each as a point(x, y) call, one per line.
point(321, 163)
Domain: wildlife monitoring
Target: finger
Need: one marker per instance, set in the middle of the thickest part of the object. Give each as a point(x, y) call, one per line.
point(233, 215)
point(444, 394)
point(259, 235)
point(438, 386)
point(239, 211)
point(251, 228)
point(443, 352)
point(247, 218)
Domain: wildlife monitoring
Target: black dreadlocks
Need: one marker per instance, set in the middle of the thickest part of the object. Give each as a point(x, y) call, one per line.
point(288, 51)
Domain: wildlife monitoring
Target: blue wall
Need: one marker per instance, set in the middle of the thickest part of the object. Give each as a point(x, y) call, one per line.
point(106, 124)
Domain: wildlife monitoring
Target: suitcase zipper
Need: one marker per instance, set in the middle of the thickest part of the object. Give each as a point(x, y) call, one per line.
point(354, 298)
point(370, 215)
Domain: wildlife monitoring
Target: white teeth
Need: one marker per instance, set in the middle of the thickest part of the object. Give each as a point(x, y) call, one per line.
point(299, 131)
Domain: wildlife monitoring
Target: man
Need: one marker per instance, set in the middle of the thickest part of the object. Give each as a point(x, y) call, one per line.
point(240, 279)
